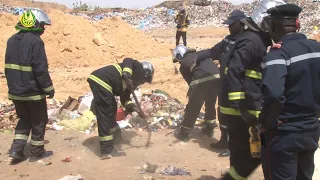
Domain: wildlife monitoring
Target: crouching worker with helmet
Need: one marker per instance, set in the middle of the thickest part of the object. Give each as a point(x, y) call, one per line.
point(203, 80)
point(28, 79)
point(115, 80)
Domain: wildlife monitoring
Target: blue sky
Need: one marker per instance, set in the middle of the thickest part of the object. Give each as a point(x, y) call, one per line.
point(122, 3)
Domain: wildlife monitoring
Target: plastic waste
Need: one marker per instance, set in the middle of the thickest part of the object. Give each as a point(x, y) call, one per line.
point(85, 103)
point(69, 115)
point(174, 171)
point(69, 177)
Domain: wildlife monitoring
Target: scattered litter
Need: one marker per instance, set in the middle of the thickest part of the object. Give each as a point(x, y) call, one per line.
point(69, 177)
point(147, 167)
point(43, 163)
point(66, 160)
point(174, 171)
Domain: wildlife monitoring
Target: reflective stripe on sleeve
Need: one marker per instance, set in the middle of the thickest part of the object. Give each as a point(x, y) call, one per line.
point(18, 67)
point(253, 74)
point(117, 66)
point(255, 113)
point(26, 98)
point(236, 96)
point(128, 102)
point(128, 70)
point(234, 174)
point(48, 89)
point(21, 137)
point(106, 138)
point(229, 111)
point(101, 83)
point(205, 79)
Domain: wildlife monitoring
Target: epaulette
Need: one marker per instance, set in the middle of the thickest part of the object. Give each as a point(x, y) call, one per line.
point(277, 45)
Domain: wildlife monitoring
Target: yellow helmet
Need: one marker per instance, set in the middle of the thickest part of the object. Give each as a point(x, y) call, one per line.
point(28, 19)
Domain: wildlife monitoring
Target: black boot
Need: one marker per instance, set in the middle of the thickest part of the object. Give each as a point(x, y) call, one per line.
point(17, 155)
point(208, 131)
point(224, 153)
point(113, 153)
point(182, 134)
point(223, 142)
point(45, 154)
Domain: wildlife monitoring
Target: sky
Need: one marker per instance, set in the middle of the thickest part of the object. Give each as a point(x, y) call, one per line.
point(122, 3)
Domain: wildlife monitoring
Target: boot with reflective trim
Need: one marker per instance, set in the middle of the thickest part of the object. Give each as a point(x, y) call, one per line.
point(114, 153)
point(44, 155)
point(182, 134)
point(16, 157)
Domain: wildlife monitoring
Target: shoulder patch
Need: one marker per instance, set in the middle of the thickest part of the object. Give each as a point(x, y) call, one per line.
point(277, 45)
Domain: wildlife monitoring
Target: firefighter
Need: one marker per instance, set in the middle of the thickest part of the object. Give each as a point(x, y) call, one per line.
point(28, 79)
point(244, 79)
point(203, 81)
point(182, 21)
point(291, 96)
point(115, 80)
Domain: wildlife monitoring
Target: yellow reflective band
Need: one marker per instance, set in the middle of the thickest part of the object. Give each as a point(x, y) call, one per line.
point(18, 67)
point(101, 83)
point(114, 129)
point(253, 74)
point(127, 70)
point(233, 173)
point(128, 102)
point(37, 143)
point(26, 98)
point(48, 89)
point(118, 68)
point(205, 79)
point(255, 113)
point(21, 137)
point(236, 96)
point(226, 70)
point(106, 138)
point(229, 111)
point(210, 121)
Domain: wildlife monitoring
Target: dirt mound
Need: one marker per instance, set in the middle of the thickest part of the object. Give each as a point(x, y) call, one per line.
point(76, 42)
point(42, 5)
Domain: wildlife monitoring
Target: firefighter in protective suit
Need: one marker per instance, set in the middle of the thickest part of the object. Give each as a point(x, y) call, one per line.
point(244, 79)
point(28, 79)
point(203, 80)
point(290, 87)
point(115, 80)
point(182, 20)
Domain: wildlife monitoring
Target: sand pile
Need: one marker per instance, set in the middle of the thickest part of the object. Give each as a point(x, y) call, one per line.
point(73, 41)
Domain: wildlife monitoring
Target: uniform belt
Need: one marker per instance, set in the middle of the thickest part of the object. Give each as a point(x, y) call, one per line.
point(101, 83)
point(205, 79)
point(249, 73)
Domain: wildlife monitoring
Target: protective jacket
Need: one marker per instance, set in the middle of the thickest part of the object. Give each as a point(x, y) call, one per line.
point(291, 84)
point(182, 22)
point(26, 68)
point(110, 77)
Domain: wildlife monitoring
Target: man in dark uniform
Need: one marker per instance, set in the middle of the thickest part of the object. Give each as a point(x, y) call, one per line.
point(28, 79)
point(115, 80)
point(203, 81)
point(182, 20)
point(291, 96)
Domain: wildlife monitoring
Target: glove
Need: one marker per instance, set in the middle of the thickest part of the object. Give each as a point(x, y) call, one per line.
point(50, 94)
point(130, 108)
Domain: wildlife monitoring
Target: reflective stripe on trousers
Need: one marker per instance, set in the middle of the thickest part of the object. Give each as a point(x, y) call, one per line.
point(236, 112)
point(234, 174)
point(106, 138)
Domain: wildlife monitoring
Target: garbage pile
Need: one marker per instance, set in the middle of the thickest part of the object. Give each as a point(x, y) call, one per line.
point(8, 117)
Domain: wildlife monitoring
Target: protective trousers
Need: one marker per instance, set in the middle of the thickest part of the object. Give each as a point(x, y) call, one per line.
point(223, 123)
point(205, 92)
point(32, 117)
point(184, 37)
point(105, 109)
point(241, 162)
point(289, 155)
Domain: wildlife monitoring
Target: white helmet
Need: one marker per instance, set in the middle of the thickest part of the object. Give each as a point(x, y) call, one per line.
point(261, 11)
point(33, 17)
point(178, 53)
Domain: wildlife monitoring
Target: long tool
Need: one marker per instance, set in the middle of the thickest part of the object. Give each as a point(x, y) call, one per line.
point(143, 116)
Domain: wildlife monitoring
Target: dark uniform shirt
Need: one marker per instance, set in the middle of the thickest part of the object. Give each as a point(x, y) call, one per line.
point(110, 77)
point(291, 84)
point(26, 67)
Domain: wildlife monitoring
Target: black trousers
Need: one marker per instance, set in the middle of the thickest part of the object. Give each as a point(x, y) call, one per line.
point(223, 123)
point(33, 117)
point(241, 162)
point(105, 108)
point(201, 93)
point(289, 155)
point(184, 38)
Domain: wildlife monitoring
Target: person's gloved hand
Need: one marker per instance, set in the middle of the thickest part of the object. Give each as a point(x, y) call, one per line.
point(50, 94)
point(130, 108)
